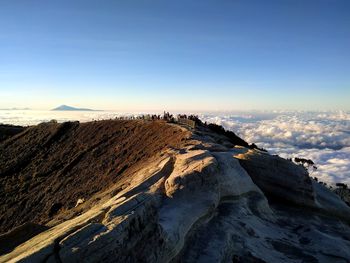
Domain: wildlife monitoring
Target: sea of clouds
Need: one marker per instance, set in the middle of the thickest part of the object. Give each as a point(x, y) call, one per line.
point(323, 137)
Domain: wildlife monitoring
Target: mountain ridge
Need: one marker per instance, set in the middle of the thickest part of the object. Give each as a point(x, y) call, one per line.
point(153, 191)
point(64, 107)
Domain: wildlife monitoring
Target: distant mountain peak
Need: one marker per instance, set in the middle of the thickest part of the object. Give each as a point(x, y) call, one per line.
point(70, 108)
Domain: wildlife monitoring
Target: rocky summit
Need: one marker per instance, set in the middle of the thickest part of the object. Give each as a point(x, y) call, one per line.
point(152, 191)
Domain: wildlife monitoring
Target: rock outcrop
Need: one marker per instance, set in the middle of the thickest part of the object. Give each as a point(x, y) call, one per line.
point(278, 178)
point(205, 201)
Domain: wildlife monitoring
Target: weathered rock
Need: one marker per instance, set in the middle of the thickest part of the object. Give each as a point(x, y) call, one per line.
point(329, 202)
point(278, 178)
point(18, 235)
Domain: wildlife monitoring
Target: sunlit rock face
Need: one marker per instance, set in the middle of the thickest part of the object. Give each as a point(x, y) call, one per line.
point(206, 201)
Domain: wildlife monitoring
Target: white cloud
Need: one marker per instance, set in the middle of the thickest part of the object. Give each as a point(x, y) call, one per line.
point(323, 137)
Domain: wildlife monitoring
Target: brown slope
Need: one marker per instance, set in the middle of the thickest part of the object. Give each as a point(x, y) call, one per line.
point(7, 131)
point(48, 167)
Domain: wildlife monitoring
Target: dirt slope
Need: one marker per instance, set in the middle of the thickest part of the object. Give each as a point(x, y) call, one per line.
point(45, 169)
point(7, 131)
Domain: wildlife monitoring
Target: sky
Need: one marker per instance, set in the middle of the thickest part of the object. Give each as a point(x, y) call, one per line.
point(175, 55)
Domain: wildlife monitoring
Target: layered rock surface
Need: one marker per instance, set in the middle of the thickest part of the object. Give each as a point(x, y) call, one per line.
point(205, 201)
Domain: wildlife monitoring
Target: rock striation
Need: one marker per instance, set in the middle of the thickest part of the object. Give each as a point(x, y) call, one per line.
point(203, 201)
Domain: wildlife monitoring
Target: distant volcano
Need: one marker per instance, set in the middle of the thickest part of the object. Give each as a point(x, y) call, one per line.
point(69, 108)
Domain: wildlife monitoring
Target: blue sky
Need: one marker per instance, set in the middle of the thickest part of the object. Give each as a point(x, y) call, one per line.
point(176, 55)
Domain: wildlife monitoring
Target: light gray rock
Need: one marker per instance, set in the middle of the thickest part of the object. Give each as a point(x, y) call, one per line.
point(278, 178)
point(330, 203)
point(198, 205)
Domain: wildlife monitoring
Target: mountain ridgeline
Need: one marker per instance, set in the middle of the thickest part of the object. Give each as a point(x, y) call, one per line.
point(70, 108)
point(157, 190)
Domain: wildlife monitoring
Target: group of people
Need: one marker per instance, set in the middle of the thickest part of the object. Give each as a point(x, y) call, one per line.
point(166, 116)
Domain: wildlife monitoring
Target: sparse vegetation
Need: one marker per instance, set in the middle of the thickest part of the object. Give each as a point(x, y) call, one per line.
point(308, 164)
